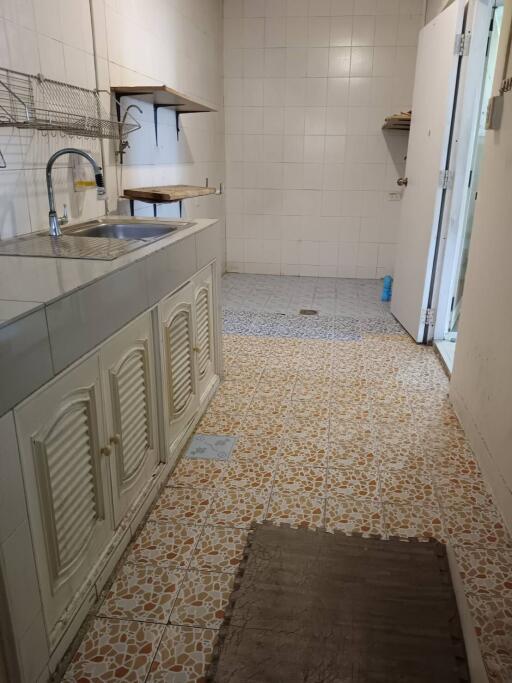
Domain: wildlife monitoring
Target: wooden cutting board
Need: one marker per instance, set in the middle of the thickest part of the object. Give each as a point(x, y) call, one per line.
point(167, 193)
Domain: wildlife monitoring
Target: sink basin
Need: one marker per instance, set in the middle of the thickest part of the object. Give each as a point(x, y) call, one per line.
point(103, 240)
point(124, 231)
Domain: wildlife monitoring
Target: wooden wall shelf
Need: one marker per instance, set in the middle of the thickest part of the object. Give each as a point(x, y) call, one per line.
point(397, 122)
point(163, 194)
point(163, 96)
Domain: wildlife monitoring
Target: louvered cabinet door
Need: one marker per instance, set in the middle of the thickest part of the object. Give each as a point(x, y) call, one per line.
point(61, 434)
point(128, 375)
point(204, 331)
point(180, 380)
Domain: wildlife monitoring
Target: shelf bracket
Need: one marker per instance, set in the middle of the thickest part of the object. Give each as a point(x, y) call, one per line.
point(156, 107)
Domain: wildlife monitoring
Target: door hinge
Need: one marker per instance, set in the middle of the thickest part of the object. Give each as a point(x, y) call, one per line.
point(462, 42)
point(429, 316)
point(445, 179)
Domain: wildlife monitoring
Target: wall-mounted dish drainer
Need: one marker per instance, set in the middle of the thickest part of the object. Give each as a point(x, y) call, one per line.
point(35, 102)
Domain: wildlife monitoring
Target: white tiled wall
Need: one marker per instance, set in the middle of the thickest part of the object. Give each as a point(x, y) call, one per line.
point(176, 42)
point(307, 85)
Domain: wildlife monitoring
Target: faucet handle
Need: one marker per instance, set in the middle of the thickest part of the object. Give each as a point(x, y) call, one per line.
point(64, 218)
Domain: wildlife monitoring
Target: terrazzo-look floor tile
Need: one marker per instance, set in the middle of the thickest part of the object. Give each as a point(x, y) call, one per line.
point(356, 454)
point(142, 593)
point(296, 509)
point(486, 571)
point(307, 452)
point(493, 623)
point(291, 479)
point(238, 507)
point(197, 474)
point(458, 492)
point(210, 447)
point(411, 521)
point(186, 505)
point(115, 650)
point(248, 475)
point(253, 449)
point(202, 599)
point(183, 655)
point(352, 515)
point(168, 545)
point(410, 487)
point(219, 549)
point(353, 482)
point(476, 527)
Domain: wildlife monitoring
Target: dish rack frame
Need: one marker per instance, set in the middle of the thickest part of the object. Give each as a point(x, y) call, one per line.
point(35, 102)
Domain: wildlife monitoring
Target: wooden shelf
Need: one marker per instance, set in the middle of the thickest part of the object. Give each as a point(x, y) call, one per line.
point(397, 122)
point(162, 96)
point(164, 194)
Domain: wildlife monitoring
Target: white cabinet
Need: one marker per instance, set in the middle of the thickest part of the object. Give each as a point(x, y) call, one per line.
point(188, 353)
point(128, 374)
point(204, 344)
point(61, 434)
point(89, 444)
point(180, 388)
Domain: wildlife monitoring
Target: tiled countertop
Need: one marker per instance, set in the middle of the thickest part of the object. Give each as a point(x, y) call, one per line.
point(54, 311)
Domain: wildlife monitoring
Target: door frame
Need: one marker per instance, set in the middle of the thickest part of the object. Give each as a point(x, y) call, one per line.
point(467, 112)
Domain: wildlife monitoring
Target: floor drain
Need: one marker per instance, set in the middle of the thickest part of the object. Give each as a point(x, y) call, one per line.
point(308, 311)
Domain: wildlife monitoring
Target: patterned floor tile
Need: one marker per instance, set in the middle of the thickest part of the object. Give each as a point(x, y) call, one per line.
point(309, 452)
point(492, 617)
point(142, 593)
point(219, 423)
point(476, 526)
point(394, 456)
point(183, 655)
point(299, 479)
point(238, 507)
point(219, 549)
point(298, 510)
point(358, 454)
point(412, 521)
point(349, 431)
point(168, 545)
point(114, 650)
point(202, 599)
point(264, 428)
point(406, 487)
point(354, 515)
point(255, 449)
point(197, 474)
point(304, 428)
point(458, 492)
point(249, 475)
point(186, 505)
point(486, 570)
point(210, 447)
point(353, 482)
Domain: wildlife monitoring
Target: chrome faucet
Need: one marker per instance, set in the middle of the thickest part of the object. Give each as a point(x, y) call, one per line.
point(54, 220)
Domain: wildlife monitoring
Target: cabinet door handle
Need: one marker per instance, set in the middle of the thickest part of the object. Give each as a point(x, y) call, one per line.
point(106, 450)
point(196, 349)
point(116, 439)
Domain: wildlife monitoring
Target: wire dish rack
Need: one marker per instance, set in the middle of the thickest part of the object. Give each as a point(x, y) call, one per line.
point(28, 101)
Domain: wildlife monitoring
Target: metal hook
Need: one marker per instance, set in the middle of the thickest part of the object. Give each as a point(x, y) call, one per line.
point(3, 162)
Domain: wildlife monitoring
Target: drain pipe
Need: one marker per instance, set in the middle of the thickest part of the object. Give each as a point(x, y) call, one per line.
point(97, 85)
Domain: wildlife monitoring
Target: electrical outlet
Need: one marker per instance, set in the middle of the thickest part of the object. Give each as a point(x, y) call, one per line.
point(394, 196)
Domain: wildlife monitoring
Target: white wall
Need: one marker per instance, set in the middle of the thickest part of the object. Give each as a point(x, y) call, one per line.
point(482, 377)
point(307, 87)
point(177, 42)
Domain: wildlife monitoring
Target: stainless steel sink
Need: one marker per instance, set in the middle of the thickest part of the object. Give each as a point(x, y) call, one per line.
point(103, 240)
point(148, 232)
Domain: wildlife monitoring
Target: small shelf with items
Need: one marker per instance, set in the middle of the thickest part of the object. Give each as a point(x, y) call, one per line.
point(401, 121)
point(160, 96)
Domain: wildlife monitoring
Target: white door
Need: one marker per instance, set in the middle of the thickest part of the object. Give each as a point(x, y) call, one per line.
point(204, 331)
point(180, 378)
point(128, 376)
point(62, 444)
point(427, 155)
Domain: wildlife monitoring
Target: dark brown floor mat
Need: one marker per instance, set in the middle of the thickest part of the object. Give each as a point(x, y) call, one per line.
point(315, 607)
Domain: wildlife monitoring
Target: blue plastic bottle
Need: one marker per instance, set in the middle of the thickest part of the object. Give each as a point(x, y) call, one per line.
point(387, 288)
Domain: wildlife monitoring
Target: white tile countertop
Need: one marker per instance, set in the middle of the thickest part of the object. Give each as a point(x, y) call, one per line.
point(54, 310)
